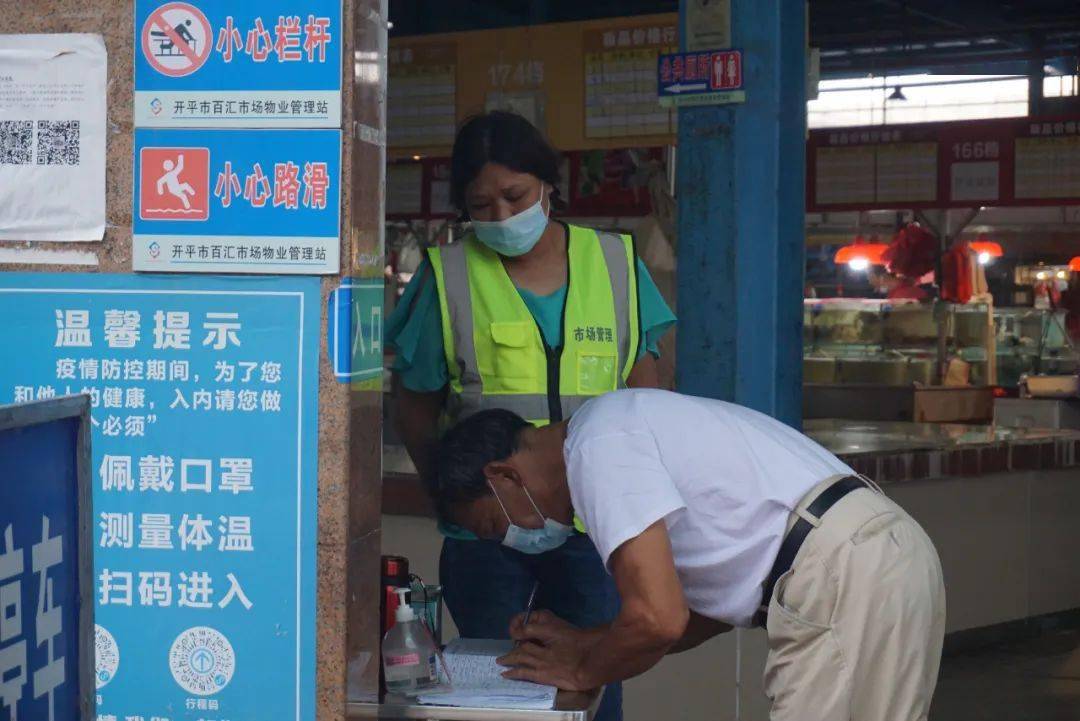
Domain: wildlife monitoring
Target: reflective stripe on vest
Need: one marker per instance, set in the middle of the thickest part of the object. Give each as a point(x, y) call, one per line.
point(494, 350)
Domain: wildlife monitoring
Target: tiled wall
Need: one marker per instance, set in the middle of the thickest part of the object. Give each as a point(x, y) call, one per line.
point(977, 460)
point(349, 485)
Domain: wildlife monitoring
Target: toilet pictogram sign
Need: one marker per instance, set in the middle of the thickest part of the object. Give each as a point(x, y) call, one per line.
point(177, 39)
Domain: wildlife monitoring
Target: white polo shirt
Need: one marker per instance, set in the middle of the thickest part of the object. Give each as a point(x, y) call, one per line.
point(722, 477)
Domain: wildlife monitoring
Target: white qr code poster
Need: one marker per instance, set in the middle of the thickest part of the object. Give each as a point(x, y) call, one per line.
point(52, 137)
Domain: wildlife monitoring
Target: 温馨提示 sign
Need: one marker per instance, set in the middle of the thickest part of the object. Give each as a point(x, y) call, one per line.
point(203, 395)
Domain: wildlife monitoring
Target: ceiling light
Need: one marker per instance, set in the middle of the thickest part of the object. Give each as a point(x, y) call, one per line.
point(986, 250)
point(861, 253)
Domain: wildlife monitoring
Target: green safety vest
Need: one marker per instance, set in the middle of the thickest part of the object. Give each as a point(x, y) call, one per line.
point(495, 352)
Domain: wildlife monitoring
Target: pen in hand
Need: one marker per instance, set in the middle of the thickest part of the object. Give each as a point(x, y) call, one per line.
point(529, 607)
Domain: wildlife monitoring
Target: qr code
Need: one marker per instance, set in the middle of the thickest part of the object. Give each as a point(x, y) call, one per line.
point(16, 142)
point(58, 142)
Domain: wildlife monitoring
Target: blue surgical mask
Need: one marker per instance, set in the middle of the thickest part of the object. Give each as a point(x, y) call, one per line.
point(516, 235)
point(534, 540)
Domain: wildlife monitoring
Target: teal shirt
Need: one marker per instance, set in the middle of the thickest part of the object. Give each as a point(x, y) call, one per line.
point(414, 329)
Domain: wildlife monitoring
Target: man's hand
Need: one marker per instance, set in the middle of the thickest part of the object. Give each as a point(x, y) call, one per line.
point(551, 652)
point(652, 619)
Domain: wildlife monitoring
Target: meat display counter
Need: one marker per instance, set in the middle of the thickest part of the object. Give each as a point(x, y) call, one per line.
point(893, 343)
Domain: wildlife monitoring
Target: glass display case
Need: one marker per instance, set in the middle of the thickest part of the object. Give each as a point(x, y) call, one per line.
point(871, 341)
point(1032, 341)
point(883, 342)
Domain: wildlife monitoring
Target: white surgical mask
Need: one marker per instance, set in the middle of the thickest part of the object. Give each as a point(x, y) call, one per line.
point(516, 235)
point(533, 540)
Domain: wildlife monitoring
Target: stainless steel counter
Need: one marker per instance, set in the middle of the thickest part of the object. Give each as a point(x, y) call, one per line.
point(568, 707)
point(888, 452)
point(848, 438)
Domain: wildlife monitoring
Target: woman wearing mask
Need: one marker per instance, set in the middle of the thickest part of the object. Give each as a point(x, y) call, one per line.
point(533, 315)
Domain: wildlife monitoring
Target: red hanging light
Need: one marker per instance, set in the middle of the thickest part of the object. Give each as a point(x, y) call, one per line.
point(986, 249)
point(861, 253)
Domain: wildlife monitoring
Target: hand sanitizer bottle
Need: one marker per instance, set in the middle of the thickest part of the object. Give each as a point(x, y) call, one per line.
point(408, 652)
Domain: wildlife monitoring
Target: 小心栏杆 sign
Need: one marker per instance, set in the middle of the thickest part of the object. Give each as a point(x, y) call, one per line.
point(208, 63)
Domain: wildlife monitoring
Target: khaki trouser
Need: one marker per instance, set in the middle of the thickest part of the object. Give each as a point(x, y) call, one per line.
point(855, 627)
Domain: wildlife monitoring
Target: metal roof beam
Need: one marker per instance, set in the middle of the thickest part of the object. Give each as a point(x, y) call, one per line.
point(922, 61)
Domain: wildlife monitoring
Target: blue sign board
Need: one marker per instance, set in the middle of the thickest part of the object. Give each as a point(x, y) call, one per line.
point(221, 63)
point(354, 337)
point(203, 395)
point(46, 606)
point(702, 77)
point(261, 201)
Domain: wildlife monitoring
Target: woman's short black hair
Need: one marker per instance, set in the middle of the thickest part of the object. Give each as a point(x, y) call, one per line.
point(506, 138)
point(459, 459)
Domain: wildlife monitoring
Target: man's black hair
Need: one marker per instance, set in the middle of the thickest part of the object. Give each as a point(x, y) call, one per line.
point(458, 461)
point(506, 138)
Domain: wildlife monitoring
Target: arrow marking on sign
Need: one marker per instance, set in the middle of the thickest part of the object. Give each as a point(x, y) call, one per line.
point(680, 88)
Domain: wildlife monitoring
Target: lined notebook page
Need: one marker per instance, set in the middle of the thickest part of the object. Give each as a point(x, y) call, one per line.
point(478, 681)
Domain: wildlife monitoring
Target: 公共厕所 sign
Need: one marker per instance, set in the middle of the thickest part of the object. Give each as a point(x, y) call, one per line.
point(210, 63)
point(237, 201)
point(706, 77)
point(204, 438)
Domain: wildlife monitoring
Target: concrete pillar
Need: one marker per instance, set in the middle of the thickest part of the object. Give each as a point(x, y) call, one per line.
point(350, 421)
point(741, 194)
point(367, 127)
